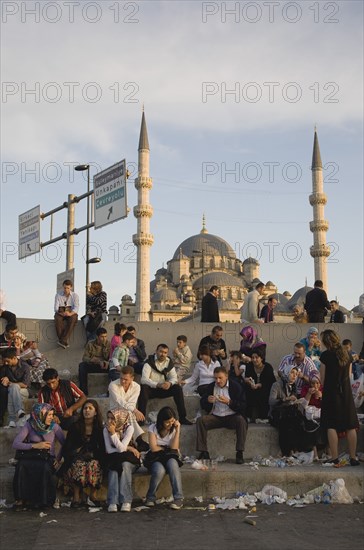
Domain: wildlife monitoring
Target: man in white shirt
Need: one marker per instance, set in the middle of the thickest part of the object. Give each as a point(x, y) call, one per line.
point(159, 379)
point(250, 309)
point(225, 402)
point(124, 394)
point(66, 304)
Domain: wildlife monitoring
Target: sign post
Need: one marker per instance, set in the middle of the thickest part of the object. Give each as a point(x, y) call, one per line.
point(110, 195)
point(29, 232)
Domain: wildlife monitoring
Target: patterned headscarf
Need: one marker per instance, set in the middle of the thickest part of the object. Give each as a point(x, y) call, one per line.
point(311, 330)
point(122, 420)
point(38, 417)
point(250, 337)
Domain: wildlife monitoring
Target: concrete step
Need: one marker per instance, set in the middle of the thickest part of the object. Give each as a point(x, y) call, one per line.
point(226, 481)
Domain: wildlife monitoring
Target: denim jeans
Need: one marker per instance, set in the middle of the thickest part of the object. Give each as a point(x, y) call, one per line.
point(120, 490)
point(158, 472)
point(15, 400)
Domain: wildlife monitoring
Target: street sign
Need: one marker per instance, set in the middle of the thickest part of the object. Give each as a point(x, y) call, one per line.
point(70, 274)
point(110, 195)
point(29, 232)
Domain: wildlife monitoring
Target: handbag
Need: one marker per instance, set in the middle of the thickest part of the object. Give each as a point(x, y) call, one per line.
point(115, 460)
point(33, 454)
point(162, 456)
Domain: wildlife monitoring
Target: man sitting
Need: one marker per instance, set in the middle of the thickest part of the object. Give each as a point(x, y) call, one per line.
point(306, 367)
point(137, 354)
point(225, 403)
point(64, 396)
point(14, 383)
point(95, 358)
point(66, 304)
point(216, 344)
point(123, 394)
point(159, 379)
point(182, 357)
point(336, 316)
point(120, 357)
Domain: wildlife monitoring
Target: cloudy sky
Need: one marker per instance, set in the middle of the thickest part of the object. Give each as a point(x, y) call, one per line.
point(232, 92)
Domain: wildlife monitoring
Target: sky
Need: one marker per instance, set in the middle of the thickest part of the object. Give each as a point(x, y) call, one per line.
point(232, 92)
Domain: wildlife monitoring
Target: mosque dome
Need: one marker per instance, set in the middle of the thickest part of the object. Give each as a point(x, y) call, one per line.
point(211, 245)
point(299, 297)
point(250, 261)
point(127, 299)
point(228, 305)
point(218, 278)
point(165, 295)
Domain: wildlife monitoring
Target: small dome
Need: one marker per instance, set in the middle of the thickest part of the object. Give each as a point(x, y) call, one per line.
point(218, 278)
point(299, 297)
point(269, 283)
point(165, 295)
point(250, 261)
point(113, 310)
point(287, 294)
point(127, 298)
point(256, 281)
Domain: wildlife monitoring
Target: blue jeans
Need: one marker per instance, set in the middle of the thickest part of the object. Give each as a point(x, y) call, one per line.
point(15, 400)
point(158, 472)
point(120, 490)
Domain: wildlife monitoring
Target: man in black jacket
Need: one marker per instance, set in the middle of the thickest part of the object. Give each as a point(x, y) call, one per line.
point(336, 316)
point(209, 306)
point(225, 403)
point(317, 303)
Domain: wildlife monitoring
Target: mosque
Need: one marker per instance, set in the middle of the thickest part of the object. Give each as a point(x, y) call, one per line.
point(203, 260)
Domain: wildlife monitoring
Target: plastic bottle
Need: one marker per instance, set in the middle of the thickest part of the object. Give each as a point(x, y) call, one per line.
point(326, 497)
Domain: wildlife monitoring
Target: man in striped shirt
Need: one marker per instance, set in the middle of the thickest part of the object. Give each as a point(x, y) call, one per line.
point(63, 395)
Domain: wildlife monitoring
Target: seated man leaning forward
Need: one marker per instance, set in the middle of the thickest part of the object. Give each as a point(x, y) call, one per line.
point(66, 304)
point(225, 403)
point(123, 394)
point(95, 358)
point(14, 383)
point(159, 379)
point(64, 396)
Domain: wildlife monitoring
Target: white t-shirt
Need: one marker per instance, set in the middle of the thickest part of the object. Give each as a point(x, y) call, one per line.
point(162, 441)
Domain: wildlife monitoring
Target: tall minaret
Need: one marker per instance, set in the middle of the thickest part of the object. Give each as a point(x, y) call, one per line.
point(319, 251)
point(143, 239)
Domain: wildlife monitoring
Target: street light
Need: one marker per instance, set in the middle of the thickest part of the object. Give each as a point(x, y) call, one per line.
point(202, 252)
point(82, 168)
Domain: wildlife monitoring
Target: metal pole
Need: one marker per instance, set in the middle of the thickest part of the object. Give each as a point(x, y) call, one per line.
point(88, 236)
point(203, 272)
point(70, 248)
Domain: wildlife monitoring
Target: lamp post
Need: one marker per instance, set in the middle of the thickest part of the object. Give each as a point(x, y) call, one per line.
point(202, 252)
point(82, 168)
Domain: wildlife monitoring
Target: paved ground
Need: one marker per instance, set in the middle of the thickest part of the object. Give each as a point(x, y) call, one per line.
point(278, 527)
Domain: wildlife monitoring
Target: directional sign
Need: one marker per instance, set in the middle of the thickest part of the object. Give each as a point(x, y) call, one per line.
point(110, 195)
point(29, 232)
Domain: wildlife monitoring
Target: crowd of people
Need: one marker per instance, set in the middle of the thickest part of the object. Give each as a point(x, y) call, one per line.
point(307, 397)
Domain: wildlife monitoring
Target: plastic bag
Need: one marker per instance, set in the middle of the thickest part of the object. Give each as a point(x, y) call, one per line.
point(268, 492)
point(339, 492)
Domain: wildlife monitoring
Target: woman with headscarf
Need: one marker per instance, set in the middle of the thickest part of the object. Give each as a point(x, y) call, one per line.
point(122, 459)
point(84, 453)
point(284, 413)
point(259, 378)
point(338, 414)
point(34, 482)
point(312, 345)
point(250, 342)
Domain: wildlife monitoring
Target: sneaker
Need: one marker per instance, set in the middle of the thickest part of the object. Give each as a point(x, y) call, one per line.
point(62, 345)
point(112, 508)
point(354, 462)
point(176, 505)
point(150, 503)
point(21, 413)
point(21, 422)
point(239, 457)
point(125, 507)
point(11, 424)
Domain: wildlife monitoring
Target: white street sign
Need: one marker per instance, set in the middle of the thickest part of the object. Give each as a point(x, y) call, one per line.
point(110, 195)
point(29, 232)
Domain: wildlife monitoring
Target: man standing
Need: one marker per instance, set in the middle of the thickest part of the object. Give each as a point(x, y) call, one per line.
point(159, 379)
point(317, 303)
point(64, 396)
point(124, 394)
point(210, 307)
point(267, 311)
point(306, 367)
point(66, 306)
point(215, 343)
point(95, 358)
point(336, 316)
point(224, 402)
point(14, 383)
point(250, 309)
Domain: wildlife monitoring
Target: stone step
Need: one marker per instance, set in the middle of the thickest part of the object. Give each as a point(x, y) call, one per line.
point(226, 481)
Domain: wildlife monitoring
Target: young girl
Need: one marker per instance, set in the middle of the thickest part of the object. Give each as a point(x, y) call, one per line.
point(164, 456)
point(122, 459)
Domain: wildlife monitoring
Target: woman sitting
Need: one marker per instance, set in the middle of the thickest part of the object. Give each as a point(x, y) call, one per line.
point(237, 367)
point(249, 343)
point(312, 346)
point(84, 452)
point(203, 373)
point(299, 314)
point(283, 411)
point(34, 482)
point(163, 456)
point(259, 378)
point(312, 393)
point(122, 459)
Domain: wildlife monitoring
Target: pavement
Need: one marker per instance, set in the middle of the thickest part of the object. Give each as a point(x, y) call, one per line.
point(278, 527)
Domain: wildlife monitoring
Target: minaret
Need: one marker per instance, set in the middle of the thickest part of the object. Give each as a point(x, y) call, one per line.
point(143, 239)
point(319, 251)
